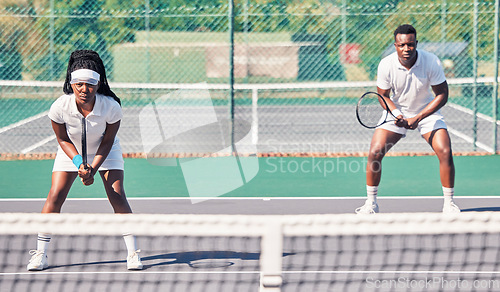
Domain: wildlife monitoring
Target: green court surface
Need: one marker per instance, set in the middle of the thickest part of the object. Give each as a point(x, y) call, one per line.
point(276, 177)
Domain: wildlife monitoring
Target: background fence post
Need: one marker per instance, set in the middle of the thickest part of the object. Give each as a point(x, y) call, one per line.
point(147, 28)
point(231, 71)
point(474, 75)
point(495, 81)
point(52, 41)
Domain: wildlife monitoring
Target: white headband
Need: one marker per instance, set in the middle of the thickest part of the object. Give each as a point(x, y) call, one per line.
point(85, 75)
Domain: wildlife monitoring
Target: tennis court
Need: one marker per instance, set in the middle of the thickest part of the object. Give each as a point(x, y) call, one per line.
point(280, 117)
point(244, 172)
point(212, 262)
point(282, 185)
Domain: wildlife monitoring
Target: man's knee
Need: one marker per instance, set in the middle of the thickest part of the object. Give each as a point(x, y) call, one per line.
point(444, 154)
point(376, 153)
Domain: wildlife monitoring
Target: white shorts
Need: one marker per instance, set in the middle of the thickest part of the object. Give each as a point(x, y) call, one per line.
point(113, 161)
point(430, 123)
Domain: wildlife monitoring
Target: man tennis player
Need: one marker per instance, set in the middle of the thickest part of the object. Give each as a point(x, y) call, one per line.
point(409, 75)
point(87, 94)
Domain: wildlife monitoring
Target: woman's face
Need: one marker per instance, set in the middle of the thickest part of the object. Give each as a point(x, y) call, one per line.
point(84, 92)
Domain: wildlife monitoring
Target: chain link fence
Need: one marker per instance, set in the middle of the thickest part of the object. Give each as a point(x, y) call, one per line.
point(298, 69)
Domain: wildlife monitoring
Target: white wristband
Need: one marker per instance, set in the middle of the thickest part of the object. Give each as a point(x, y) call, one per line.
point(397, 113)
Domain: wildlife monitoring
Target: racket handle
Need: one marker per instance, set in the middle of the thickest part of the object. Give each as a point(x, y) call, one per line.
point(84, 142)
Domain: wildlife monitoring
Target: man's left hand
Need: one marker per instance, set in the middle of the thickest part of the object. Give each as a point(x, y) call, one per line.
point(412, 123)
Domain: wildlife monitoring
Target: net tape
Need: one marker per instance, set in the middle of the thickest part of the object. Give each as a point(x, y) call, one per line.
point(249, 225)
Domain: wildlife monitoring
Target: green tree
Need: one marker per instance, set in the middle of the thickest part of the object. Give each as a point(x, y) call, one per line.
point(45, 36)
point(84, 24)
point(20, 40)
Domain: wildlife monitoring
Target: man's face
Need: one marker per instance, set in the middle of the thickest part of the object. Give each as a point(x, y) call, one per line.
point(406, 47)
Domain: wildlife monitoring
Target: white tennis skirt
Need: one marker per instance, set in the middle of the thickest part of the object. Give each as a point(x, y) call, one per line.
point(113, 161)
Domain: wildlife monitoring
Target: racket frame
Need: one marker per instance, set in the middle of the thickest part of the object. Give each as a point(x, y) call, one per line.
point(384, 106)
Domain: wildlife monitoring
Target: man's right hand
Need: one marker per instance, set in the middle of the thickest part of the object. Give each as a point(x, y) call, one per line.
point(401, 122)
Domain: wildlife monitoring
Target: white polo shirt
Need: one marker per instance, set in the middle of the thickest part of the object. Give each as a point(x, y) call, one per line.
point(106, 111)
point(411, 88)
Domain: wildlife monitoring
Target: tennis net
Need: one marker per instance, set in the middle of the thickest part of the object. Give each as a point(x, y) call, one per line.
point(281, 118)
point(385, 252)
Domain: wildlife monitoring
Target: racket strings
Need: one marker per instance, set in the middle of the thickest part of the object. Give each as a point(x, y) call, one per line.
point(370, 111)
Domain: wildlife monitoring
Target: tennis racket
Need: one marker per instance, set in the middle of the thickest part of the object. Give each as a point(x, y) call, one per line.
point(84, 142)
point(368, 111)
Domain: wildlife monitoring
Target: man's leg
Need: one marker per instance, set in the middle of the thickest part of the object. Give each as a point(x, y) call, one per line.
point(382, 142)
point(440, 142)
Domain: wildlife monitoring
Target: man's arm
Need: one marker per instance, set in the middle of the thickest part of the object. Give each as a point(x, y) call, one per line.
point(386, 93)
point(441, 93)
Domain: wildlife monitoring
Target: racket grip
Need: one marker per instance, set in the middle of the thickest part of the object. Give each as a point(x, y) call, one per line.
point(77, 160)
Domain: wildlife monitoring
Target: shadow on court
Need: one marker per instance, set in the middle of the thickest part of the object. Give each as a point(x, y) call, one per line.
point(196, 260)
point(484, 209)
point(200, 259)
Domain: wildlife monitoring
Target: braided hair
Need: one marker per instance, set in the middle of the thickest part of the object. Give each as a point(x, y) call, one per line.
point(88, 59)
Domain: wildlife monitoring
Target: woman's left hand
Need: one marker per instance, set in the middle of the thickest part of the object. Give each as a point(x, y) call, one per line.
point(86, 175)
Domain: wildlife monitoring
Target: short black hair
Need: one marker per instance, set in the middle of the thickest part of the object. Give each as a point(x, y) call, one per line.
point(405, 29)
point(88, 59)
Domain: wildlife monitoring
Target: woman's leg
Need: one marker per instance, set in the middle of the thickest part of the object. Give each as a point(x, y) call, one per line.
point(113, 184)
point(61, 184)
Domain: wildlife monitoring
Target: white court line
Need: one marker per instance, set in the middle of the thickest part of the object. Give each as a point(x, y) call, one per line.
point(305, 198)
point(23, 122)
point(391, 272)
point(470, 140)
point(36, 145)
point(471, 112)
point(255, 198)
point(253, 272)
point(466, 137)
point(128, 273)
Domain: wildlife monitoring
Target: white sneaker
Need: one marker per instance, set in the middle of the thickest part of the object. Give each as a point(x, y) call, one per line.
point(367, 208)
point(38, 260)
point(134, 261)
point(450, 207)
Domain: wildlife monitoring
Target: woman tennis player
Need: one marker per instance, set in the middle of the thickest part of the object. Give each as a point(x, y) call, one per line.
point(87, 94)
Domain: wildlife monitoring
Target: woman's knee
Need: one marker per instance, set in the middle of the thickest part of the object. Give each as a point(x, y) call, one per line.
point(54, 201)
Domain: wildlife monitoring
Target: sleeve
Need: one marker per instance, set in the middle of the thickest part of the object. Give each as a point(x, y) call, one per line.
point(56, 111)
point(383, 75)
point(437, 73)
point(115, 113)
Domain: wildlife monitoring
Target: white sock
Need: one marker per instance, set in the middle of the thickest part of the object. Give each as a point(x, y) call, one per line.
point(371, 193)
point(43, 241)
point(448, 194)
point(131, 243)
